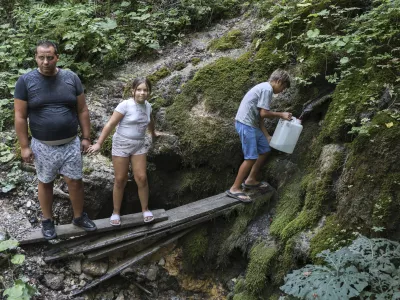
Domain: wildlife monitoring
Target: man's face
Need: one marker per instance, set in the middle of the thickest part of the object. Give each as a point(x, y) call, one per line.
point(46, 60)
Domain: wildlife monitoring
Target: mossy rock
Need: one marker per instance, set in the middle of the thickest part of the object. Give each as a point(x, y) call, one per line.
point(106, 148)
point(371, 190)
point(261, 259)
point(232, 40)
point(159, 74)
point(199, 115)
point(179, 66)
point(195, 246)
point(195, 61)
point(332, 236)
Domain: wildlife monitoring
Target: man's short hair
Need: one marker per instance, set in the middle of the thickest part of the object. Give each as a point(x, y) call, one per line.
point(282, 76)
point(46, 44)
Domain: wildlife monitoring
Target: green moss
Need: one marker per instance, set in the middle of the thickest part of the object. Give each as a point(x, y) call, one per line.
point(195, 246)
point(179, 66)
point(242, 216)
point(159, 74)
point(244, 296)
point(266, 60)
point(332, 236)
point(290, 203)
point(205, 138)
point(285, 262)
point(372, 179)
point(240, 286)
point(87, 170)
point(107, 145)
point(195, 61)
point(232, 40)
point(261, 258)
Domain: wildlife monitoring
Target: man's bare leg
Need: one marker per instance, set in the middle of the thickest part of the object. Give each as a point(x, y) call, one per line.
point(45, 195)
point(76, 195)
point(244, 169)
point(255, 170)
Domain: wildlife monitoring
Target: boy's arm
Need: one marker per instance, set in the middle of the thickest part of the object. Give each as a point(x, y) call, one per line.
point(264, 130)
point(272, 114)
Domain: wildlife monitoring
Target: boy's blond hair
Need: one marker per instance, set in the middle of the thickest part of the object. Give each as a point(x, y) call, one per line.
point(282, 76)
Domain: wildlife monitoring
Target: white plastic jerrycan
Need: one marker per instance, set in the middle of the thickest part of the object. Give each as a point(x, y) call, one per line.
point(286, 135)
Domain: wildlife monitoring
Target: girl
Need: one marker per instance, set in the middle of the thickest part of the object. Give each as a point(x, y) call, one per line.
point(133, 117)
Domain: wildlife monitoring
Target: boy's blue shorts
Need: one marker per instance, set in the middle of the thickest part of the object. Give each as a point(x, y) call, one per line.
point(253, 141)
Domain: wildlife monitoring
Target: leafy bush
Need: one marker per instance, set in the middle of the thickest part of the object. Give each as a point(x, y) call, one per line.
point(21, 289)
point(368, 268)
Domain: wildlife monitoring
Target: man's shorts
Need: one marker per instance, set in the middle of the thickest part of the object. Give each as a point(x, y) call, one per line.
point(253, 141)
point(53, 160)
point(124, 147)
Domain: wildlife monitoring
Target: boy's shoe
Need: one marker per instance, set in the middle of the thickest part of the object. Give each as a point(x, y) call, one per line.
point(48, 229)
point(84, 222)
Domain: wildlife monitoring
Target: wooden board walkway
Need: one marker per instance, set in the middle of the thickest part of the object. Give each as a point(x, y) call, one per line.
point(208, 207)
point(145, 241)
point(117, 269)
point(103, 225)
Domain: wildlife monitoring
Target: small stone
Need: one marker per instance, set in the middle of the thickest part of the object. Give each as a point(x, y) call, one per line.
point(54, 281)
point(152, 273)
point(75, 266)
point(29, 203)
point(161, 262)
point(120, 296)
point(94, 268)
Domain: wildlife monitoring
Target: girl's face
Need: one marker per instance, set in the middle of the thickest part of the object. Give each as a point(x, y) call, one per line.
point(141, 93)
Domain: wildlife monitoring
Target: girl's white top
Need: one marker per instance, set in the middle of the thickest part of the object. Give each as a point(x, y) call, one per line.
point(136, 118)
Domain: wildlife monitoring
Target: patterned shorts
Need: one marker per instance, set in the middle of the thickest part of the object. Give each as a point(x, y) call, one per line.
point(124, 147)
point(53, 160)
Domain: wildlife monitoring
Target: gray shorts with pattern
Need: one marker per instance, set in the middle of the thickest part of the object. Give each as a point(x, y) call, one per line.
point(53, 160)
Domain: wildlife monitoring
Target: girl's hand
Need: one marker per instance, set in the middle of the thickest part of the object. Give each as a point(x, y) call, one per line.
point(93, 149)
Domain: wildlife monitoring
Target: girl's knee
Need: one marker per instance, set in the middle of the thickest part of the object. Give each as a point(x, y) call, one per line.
point(120, 182)
point(141, 179)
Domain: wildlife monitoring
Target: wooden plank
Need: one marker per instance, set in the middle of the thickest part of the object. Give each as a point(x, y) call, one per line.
point(176, 216)
point(152, 238)
point(103, 225)
point(129, 262)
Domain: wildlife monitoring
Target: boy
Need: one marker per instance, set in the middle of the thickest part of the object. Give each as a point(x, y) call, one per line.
point(253, 109)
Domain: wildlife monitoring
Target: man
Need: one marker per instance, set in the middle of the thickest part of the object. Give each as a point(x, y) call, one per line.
point(253, 109)
point(54, 102)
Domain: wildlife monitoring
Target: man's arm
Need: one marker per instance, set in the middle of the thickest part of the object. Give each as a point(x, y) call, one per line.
point(21, 128)
point(84, 121)
point(271, 114)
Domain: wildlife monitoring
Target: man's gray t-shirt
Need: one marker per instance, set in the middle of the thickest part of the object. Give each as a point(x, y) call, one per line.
point(52, 103)
point(259, 96)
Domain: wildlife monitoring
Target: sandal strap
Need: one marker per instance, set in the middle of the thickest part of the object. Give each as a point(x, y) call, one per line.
point(147, 214)
point(115, 217)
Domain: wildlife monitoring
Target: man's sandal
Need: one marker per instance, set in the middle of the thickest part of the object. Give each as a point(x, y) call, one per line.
point(148, 216)
point(115, 220)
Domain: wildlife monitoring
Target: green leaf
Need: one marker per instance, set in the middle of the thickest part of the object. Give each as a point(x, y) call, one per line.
point(108, 25)
point(303, 4)
point(18, 259)
point(125, 4)
point(5, 189)
point(8, 244)
point(313, 33)
point(344, 60)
